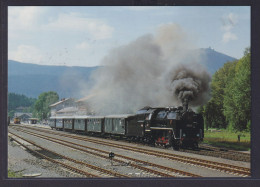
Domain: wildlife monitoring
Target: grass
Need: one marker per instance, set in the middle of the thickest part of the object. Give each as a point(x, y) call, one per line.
point(227, 139)
point(12, 174)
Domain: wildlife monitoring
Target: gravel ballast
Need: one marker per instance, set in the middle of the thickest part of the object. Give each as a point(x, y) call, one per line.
point(21, 160)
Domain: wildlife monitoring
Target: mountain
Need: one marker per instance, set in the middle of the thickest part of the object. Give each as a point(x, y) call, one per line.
point(213, 60)
point(31, 79)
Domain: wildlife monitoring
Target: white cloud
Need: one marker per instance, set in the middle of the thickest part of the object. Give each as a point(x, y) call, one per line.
point(24, 17)
point(229, 22)
point(40, 35)
point(228, 36)
point(29, 19)
point(83, 46)
point(26, 53)
point(141, 8)
point(97, 28)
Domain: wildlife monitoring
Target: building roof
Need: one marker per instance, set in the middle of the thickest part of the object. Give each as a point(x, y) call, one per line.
point(86, 98)
point(59, 102)
point(33, 118)
point(67, 110)
point(19, 114)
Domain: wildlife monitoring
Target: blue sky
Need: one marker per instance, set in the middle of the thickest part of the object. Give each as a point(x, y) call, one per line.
point(83, 36)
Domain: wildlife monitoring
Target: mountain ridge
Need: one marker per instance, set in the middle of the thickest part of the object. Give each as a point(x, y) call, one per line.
point(33, 79)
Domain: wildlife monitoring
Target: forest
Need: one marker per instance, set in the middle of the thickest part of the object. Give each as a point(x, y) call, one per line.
point(38, 107)
point(19, 100)
point(230, 103)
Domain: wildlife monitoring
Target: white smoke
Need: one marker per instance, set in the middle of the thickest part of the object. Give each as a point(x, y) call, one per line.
point(142, 73)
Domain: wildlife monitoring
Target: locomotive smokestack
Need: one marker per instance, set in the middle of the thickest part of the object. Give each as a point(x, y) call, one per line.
point(185, 104)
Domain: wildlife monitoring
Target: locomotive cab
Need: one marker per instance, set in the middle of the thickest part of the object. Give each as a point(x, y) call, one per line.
point(162, 123)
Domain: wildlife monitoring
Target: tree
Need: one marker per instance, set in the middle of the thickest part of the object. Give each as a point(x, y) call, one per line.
point(42, 105)
point(230, 103)
point(237, 100)
point(214, 109)
point(213, 115)
point(17, 100)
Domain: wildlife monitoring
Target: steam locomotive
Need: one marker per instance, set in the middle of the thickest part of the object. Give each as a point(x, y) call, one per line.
point(166, 126)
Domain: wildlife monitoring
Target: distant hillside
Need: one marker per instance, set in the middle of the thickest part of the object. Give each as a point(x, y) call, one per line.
point(31, 79)
point(214, 60)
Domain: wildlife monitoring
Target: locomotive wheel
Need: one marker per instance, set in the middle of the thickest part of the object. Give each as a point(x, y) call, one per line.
point(195, 146)
point(176, 145)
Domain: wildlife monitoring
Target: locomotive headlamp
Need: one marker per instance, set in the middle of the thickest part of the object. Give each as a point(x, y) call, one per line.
point(198, 135)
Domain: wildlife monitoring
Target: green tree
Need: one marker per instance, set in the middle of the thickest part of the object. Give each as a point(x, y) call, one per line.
point(214, 109)
point(213, 116)
point(11, 113)
point(18, 100)
point(42, 105)
point(237, 100)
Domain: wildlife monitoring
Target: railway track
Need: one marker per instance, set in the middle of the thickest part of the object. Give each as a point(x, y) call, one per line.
point(63, 164)
point(224, 153)
point(236, 170)
point(160, 171)
point(215, 152)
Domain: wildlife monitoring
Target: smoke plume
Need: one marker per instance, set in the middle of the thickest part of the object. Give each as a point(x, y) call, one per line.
point(190, 83)
point(154, 70)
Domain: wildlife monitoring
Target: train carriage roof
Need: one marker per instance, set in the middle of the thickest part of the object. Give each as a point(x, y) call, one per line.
point(81, 117)
point(120, 116)
point(68, 117)
point(62, 117)
point(76, 117)
point(95, 117)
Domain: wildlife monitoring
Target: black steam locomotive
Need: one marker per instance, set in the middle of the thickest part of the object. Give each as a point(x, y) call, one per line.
point(177, 127)
point(170, 126)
